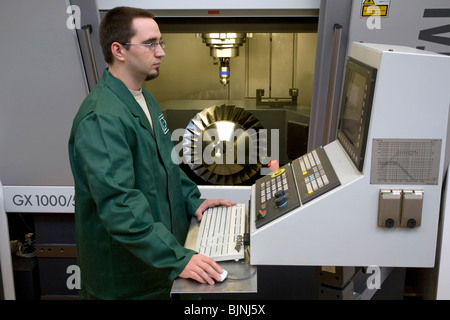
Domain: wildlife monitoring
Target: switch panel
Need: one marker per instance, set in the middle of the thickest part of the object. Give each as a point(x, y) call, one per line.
point(276, 195)
point(412, 208)
point(389, 208)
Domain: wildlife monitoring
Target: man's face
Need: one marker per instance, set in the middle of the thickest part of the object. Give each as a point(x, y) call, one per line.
point(141, 61)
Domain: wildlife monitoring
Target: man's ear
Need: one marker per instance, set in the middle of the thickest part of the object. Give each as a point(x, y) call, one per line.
point(117, 51)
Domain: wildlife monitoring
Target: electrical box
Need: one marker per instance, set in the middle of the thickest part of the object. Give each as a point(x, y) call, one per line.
point(389, 208)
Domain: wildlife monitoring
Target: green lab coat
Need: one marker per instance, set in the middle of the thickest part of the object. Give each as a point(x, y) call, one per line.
point(132, 202)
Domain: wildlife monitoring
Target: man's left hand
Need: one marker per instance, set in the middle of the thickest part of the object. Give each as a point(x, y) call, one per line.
point(212, 203)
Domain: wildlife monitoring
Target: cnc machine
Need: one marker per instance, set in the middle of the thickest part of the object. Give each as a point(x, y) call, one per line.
point(378, 212)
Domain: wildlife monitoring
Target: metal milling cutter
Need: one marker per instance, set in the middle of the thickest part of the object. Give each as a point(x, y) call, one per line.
point(224, 46)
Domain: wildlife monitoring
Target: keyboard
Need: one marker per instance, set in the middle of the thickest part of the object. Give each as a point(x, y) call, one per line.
point(221, 233)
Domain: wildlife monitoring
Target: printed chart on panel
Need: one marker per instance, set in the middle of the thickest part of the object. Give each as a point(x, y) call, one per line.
point(405, 161)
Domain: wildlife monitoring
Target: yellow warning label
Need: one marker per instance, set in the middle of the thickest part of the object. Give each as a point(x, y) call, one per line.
point(380, 11)
point(376, 8)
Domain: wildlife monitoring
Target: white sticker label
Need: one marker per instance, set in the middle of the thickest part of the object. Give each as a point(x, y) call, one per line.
point(39, 199)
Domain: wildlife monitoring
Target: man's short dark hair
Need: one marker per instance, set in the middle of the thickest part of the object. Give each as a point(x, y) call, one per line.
point(116, 27)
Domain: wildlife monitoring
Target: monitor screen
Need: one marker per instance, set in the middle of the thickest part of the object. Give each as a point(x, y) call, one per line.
point(356, 106)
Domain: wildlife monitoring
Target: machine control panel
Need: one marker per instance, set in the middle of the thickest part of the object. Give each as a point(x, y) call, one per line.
point(296, 183)
point(276, 195)
point(314, 174)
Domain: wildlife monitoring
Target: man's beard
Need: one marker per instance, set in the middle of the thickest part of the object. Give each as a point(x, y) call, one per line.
point(152, 76)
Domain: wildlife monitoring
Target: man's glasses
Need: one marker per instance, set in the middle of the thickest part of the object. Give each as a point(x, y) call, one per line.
point(152, 45)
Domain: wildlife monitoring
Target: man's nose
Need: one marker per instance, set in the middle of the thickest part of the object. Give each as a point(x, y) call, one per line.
point(159, 52)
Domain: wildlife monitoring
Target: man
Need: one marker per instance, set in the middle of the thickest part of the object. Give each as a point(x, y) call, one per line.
point(132, 202)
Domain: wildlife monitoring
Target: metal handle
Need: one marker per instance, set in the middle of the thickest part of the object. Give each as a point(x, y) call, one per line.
point(332, 83)
point(87, 30)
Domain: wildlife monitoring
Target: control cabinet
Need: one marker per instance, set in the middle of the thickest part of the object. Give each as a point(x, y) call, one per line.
point(371, 197)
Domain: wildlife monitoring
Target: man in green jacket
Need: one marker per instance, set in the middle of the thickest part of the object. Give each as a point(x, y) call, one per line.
point(132, 202)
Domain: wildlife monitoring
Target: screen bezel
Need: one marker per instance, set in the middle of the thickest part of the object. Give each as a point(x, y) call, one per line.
point(357, 152)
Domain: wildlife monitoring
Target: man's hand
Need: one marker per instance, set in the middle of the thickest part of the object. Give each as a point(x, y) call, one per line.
point(198, 268)
point(201, 268)
point(211, 203)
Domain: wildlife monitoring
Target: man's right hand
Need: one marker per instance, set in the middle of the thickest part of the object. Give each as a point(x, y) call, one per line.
point(198, 268)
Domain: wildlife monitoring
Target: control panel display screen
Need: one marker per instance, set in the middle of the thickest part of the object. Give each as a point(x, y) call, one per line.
point(351, 124)
point(356, 106)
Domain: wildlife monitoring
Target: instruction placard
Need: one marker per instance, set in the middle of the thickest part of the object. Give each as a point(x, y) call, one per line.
point(379, 8)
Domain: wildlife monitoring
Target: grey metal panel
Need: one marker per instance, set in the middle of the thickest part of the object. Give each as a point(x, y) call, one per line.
point(331, 13)
point(413, 23)
point(208, 5)
point(43, 84)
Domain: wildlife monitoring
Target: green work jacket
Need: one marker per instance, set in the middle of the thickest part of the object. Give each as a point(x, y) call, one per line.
point(132, 203)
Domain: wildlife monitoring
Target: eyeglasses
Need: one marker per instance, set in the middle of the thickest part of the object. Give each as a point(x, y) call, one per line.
point(152, 45)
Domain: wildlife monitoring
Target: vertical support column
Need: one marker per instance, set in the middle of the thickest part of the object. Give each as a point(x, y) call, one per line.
point(5, 253)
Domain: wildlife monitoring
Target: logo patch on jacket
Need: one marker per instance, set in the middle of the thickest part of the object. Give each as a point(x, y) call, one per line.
point(163, 123)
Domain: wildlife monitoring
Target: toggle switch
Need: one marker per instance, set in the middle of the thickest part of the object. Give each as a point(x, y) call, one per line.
point(389, 208)
point(262, 214)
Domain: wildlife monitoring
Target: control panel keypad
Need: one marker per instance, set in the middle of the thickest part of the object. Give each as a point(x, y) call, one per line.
point(314, 174)
point(276, 195)
point(269, 188)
